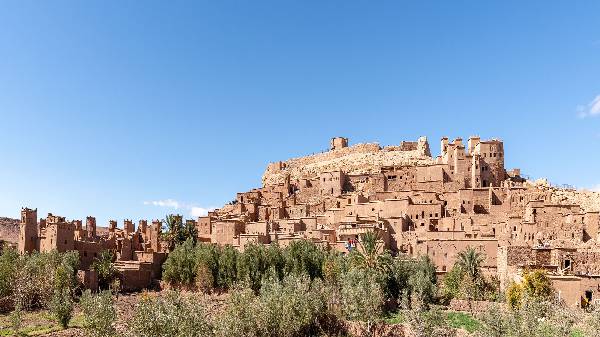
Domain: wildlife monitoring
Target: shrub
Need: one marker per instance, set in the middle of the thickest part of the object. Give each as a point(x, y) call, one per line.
point(536, 286)
point(104, 266)
point(16, 319)
point(428, 323)
point(171, 315)
point(239, 319)
point(494, 322)
point(304, 257)
point(361, 296)
point(8, 263)
point(207, 263)
point(99, 313)
point(592, 324)
point(180, 267)
point(252, 266)
point(334, 265)
point(39, 275)
point(514, 295)
point(61, 306)
point(422, 282)
point(228, 259)
point(290, 308)
point(204, 278)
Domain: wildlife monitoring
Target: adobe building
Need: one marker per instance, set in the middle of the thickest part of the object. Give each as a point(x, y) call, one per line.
point(138, 254)
point(418, 205)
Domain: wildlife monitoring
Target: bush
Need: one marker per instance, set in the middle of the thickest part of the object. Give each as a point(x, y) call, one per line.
point(239, 319)
point(104, 266)
point(61, 306)
point(292, 307)
point(361, 296)
point(16, 319)
point(171, 315)
point(428, 323)
point(228, 259)
point(180, 267)
point(304, 257)
point(252, 266)
point(38, 275)
point(99, 313)
point(422, 282)
point(207, 264)
point(536, 286)
point(8, 263)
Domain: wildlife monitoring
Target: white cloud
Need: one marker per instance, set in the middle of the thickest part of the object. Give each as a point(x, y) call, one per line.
point(194, 210)
point(170, 203)
point(200, 211)
point(596, 188)
point(591, 109)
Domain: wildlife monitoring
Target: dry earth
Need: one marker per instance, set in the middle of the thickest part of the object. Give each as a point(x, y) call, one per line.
point(9, 230)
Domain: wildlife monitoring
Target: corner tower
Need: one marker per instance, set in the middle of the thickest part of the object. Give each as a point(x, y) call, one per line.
point(28, 231)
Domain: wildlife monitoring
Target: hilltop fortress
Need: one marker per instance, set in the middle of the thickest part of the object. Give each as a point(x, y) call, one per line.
point(417, 204)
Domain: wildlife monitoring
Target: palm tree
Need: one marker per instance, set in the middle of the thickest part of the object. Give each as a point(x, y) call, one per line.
point(470, 261)
point(174, 234)
point(371, 255)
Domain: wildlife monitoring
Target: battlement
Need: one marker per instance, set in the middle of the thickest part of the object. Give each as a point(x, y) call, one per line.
point(337, 143)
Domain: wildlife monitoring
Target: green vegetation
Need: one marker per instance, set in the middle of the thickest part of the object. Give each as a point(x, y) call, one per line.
point(172, 315)
point(536, 286)
point(299, 290)
point(105, 267)
point(466, 281)
point(461, 320)
point(99, 313)
point(176, 232)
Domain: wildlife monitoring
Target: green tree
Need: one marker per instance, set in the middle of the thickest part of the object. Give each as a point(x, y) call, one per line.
point(105, 267)
point(61, 306)
point(170, 315)
point(174, 232)
point(207, 264)
point(370, 254)
point(304, 257)
point(181, 267)
point(252, 265)
point(423, 282)
point(535, 286)
point(99, 313)
point(362, 298)
point(470, 261)
point(228, 258)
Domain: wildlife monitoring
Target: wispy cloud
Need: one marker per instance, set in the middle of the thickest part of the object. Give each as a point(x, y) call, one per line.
point(192, 209)
point(591, 109)
point(170, 203)
point(200, 211)
point(595, 188)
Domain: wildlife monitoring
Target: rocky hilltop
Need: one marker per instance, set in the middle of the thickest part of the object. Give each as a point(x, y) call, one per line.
point(9, 229)
point(364, 158)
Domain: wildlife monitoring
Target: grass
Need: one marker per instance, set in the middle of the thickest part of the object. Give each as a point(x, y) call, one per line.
point(454, 319)
point(37, 323)
point(395, 318)
point(462, 320)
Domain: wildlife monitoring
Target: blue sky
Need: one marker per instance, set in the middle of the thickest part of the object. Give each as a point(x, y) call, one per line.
point(107, 106)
